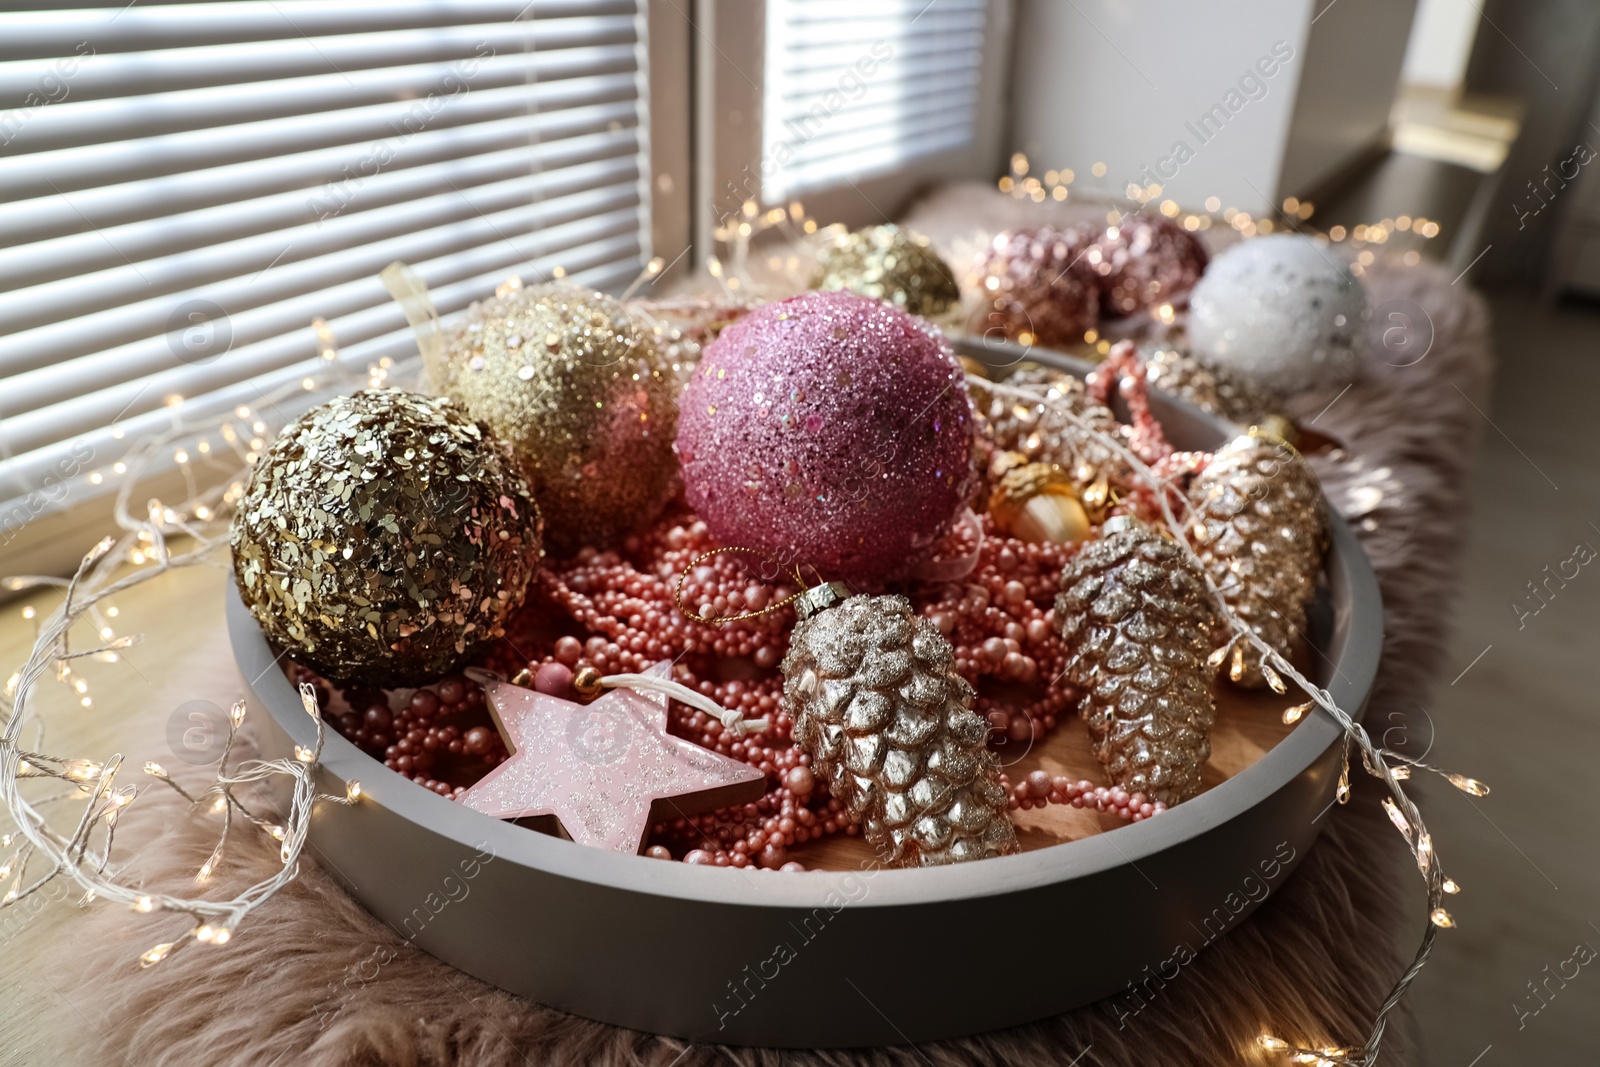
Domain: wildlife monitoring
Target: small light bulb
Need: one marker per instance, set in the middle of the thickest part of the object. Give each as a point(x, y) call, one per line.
point(1396, 817)
point(156, 955)
point(1272, 1044)
point(220, 804)
point(1450, 886)
point(304, 754)
point(1468, 785)
point(1296, 713)
point(144, 904)
point(352, 791)
point(1441, 918)
point(155, 770)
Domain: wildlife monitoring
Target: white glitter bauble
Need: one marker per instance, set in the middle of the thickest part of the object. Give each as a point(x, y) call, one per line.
point(1283, 311)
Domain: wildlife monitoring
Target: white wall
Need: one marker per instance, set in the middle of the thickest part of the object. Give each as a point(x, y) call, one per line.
point(1125, 84)
point(1348, 77)
point(1441, 41)
point(1129, 84)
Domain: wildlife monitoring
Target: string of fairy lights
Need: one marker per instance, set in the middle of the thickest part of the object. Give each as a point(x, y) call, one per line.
point(1390, 767)
point(1055, 185)
point(78, 845)
point(56, 838)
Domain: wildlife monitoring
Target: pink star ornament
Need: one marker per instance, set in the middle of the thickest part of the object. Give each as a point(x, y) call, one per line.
point(599, 767)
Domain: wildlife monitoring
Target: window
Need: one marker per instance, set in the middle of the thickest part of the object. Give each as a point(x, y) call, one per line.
point(185, 188)
point(857, 90)
point(848, 106)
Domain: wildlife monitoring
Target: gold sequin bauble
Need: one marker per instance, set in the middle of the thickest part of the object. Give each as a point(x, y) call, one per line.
point(1035, 286)
point(1036, 502)
point(1212, 389)
point(384, 537)
point(1138, 621)
point(889, 726)
point(586, 399)
point(1258, 525)
point(889, 264)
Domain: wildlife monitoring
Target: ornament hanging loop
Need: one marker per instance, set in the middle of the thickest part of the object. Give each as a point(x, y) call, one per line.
point(793, 571)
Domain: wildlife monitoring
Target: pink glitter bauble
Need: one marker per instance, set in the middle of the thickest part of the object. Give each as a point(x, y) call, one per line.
point(828, 430)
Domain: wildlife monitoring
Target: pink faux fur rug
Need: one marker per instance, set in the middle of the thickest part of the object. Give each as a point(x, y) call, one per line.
point(311, 979)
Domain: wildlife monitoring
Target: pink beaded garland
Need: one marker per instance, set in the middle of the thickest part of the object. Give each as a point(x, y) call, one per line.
point(829, 430)
point(998, 620)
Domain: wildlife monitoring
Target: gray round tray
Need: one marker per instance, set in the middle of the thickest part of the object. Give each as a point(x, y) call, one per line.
point(825, 958)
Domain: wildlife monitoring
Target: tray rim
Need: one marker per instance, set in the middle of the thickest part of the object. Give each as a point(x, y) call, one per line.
point(1353, 654)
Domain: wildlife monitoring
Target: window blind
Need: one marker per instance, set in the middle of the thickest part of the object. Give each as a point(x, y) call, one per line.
point(185, 187)
point(854, 90)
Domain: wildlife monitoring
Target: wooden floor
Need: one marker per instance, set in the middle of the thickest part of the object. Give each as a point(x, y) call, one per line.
point(1523, 714)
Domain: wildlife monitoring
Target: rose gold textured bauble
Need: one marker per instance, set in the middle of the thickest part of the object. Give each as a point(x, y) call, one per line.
point(585, 397)
point(1035, 286)
point(1138, 621)
point(1259, 528)
point(889, 726)
point(1142, 262)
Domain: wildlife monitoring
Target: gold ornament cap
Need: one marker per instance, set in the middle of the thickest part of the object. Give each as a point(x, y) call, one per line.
point(1036, 502)
point(820, 598)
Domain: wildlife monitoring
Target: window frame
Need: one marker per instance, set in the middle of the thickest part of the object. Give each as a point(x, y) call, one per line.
point(730, 70)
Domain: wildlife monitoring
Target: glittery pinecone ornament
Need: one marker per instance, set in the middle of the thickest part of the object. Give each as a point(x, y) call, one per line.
point(889, 727)
point(1213, 389)
point(1138, 622)
point(1257, 524)
point(1054, 431)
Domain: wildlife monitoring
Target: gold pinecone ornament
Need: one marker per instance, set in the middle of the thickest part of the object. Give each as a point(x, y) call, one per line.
point(1209, 388)
point(1258, 526)
point(1138, 622)
point(889, 726)
point(1064, 430)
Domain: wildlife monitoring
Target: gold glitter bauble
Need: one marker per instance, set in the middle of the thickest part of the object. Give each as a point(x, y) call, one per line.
point(384, 537)
point(889, 264)
point(586, 399)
